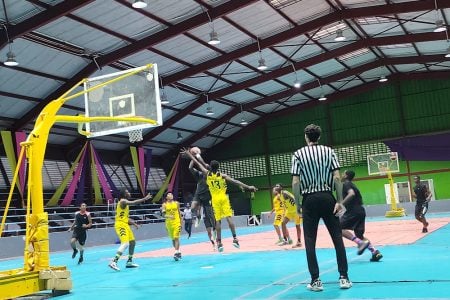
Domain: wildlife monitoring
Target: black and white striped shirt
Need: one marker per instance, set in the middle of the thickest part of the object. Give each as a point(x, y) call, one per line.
point(314, 165)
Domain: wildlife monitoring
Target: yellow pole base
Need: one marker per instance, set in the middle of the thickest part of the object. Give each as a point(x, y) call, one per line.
point(399, 212)
point(18, 282)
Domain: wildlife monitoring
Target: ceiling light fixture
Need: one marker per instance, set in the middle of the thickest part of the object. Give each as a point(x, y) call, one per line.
point(261, 62)
point(297, 83)
point(213, 36)
point(243, 120)
point(382, 79)
point(10, 56)
point(163, 96)
point(322, 96)
point(209, 109)
point(439, 24)
point(447, 55)
point(340, 36)
point(139, 4)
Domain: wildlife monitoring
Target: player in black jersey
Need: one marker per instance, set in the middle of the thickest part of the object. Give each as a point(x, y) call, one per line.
point(81, 224)
point(423, 197)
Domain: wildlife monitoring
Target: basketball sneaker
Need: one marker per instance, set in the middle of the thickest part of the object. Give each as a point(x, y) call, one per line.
point(75, 252)
point(290, 242)
point(344, 283)
point(220, 247)
point(376, 256)
point(130, 264)
point(315, 285)
point(281, 242)
point(363, 246)
point(298, 245)
point(236, 243)
point(113, 265)
point(177, 256)
point(80, 260)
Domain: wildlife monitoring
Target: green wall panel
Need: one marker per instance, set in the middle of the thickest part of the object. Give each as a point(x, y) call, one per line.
point(251, 144)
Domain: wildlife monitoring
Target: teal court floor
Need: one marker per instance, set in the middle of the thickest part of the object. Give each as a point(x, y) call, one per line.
point(417, 270)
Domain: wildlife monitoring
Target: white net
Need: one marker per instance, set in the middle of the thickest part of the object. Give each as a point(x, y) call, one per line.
point(135, 135)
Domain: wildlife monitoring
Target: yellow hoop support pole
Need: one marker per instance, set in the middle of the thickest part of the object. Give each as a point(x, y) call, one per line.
point(36, 252)
point(395, 211)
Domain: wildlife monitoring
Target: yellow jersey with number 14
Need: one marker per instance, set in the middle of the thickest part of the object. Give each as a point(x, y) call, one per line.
point(216, 183)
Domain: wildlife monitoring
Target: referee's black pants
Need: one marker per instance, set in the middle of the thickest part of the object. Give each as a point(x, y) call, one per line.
point(315, 206)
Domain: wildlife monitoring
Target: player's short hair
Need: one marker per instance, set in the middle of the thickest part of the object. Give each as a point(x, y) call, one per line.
point(278, 187)
point(417, 177)
point(214, 165)
point(313, 132)
point(350, 174)
point(123, 193)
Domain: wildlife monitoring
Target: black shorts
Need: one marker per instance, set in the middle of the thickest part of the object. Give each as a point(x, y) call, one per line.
point(209, 219)
point(355, 220)
point(421, 209)
point(79, 235)
point(204, 198)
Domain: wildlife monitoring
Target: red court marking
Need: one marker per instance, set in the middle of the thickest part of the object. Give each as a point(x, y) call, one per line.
point(389, 232)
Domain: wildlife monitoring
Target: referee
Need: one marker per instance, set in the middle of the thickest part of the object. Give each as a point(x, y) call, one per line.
point(315, 171)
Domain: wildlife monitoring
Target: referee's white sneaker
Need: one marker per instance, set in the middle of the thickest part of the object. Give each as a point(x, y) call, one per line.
point(345, 283)
point(315, 285)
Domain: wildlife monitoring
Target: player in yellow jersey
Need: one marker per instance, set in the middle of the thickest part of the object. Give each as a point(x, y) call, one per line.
point(279, 209)
point(171, 212)
point(217, 184)
point(123, 230)
point(291, 214)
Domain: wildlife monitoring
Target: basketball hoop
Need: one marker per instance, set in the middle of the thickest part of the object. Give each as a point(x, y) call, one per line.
point(135, 135)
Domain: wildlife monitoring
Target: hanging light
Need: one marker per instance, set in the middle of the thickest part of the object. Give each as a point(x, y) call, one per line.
point(340, 36)
point(139, 4)
point(164, 99)
point(447, 55)
point(179, 136)
point(213, 36)
point(382, 79)
point(261, 62)
point(440, 26)
point(209, 109)
point(10, 56)
point(10, 60)
point(297, 83)
point(322, 96)
point(243, 120)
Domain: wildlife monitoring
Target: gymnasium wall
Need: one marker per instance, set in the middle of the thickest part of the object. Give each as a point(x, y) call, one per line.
point(397, 109)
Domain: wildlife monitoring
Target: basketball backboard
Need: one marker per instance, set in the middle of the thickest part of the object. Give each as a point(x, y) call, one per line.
point(134, 96)
point(381, 164)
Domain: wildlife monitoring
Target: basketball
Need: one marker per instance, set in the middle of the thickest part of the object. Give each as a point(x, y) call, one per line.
point(195, 150)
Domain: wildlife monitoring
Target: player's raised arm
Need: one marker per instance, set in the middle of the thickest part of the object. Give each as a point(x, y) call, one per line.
point(250, 188)
point(188, 153)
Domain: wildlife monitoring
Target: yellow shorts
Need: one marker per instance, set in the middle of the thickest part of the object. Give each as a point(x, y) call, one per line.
point(293, 216)
point(173, 229)
point(278, 219)
point(124, 232)
point(221, 207)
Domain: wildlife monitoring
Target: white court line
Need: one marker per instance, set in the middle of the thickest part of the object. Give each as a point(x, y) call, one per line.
point(278, 281)
point(325, 272)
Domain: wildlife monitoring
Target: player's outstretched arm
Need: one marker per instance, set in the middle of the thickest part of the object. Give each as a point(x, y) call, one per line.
point(137, 201)
point(250, 188)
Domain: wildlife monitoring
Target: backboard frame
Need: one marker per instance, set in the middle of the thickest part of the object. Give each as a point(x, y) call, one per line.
point(381, 164)
point(119, 127)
